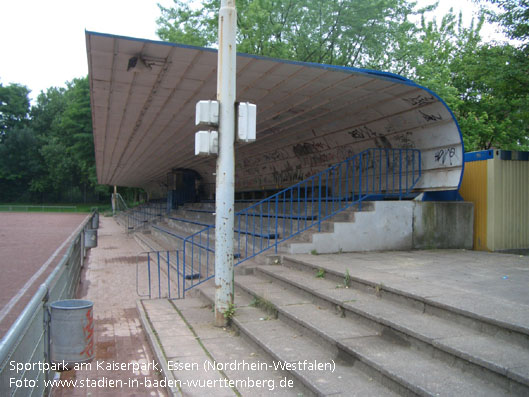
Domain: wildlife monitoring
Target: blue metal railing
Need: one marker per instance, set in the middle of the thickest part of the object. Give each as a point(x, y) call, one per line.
point(140, 216)
point(160, 271)
point(371, 174)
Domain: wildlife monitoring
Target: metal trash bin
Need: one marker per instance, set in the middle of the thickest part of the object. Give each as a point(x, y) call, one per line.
point(90, 238)
point(95, 221)
point(72, 338)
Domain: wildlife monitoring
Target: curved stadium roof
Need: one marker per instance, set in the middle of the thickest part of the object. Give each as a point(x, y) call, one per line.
point(309, 116)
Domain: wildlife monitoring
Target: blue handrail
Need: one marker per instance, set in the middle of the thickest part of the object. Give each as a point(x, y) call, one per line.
point(139, 216)
point(378, 172)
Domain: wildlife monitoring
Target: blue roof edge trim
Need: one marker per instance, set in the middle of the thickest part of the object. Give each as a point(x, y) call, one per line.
point(479, 156)
point(513, 155)
point(443, 195)
point(375, 73)
point(482, 155)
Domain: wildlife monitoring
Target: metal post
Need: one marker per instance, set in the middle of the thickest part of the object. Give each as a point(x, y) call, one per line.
point(115, 200)
point(225, 189)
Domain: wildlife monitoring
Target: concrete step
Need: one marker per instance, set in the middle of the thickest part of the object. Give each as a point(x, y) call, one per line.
point(179, 353)
point(285, 344)
point(326, 227)
point(491, 315)
point(385, 356)
point(474, 350)
point(255, 224)
point(387, 225)
point(148, 243)
point(172, 235)
point(187, 226)
point(301, 208)
point(240, 359)
point(245, 224)
point(306, 236)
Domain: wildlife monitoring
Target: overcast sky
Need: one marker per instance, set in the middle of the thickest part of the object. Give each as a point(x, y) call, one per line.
point(42, 42)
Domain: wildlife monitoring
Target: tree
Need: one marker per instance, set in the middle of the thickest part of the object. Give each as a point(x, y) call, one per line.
point(513, 16)
point(485, 85)
point(494, 87)
point(434, 50)
point(340, 32)
point(19, 162)
point(47, 153)
point(46, 113)
point(63, 120)
point(19, 157)
point(14, 107)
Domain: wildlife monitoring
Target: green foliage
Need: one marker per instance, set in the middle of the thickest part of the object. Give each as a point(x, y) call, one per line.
point(230, 312)
point(514, 17)
point(14, 108)
point(19, 162)
point(63, 118)
point(181, 24)
point(264, 304)
point(320, 273)
point(493, 111)
point(349, 33)
point(485, 85)
point(47, 152)
point(347, 279)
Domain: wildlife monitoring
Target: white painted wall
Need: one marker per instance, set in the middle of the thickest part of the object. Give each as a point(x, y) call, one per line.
point(394, 225)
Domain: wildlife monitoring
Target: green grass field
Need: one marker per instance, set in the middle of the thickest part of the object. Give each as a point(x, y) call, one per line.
point(22, 207)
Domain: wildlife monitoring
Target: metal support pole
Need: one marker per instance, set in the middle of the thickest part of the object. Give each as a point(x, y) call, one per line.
point(114, 200)
point(225, 188)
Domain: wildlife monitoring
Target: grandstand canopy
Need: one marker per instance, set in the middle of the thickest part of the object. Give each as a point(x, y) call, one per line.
point(309, 116)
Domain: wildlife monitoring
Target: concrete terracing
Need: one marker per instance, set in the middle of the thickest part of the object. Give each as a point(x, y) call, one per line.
point(433, 322)
point(449, 322)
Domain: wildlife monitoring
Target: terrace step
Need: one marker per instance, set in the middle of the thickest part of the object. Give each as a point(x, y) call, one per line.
point(452, 341)
point(181, 333)
point(378, 226)
point(379, 351)
point(174, 233)
point(481, 313)
point(148, 243)
point(196, 226)
point(286, 344)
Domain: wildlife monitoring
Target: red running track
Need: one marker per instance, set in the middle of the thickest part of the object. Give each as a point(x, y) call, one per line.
point(27, 241)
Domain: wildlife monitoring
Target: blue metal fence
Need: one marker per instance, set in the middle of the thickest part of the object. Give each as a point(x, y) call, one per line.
point(139, 217)
point(371, 174)
point(160, 272)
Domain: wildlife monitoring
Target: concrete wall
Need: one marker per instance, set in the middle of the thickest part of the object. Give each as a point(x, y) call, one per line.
point(443, 225)
point(398, 225)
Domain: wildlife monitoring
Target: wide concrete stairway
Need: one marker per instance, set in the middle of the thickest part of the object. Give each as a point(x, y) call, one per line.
point(345, 333)
point(252, 233)
point(382, 340)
